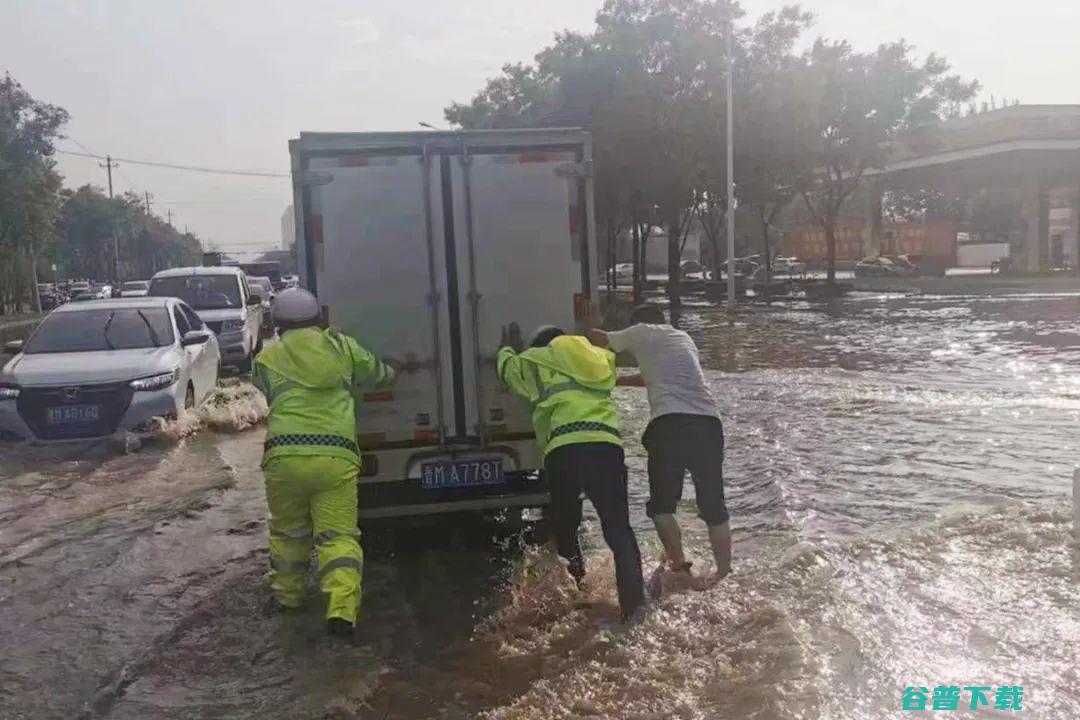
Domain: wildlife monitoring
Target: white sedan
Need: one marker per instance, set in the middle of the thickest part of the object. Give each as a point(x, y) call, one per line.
point(94, 368)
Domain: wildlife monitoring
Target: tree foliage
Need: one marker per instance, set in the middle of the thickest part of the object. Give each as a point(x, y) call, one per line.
point(29, 188)
point(649, 81)
point(43, 225)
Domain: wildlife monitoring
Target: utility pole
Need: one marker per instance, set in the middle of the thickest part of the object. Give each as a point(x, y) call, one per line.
point(109, 165)
point(170, 217)
point(147, 196)
point(730, 166)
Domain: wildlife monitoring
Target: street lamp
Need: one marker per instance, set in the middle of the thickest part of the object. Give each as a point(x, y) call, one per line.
point(730, 168)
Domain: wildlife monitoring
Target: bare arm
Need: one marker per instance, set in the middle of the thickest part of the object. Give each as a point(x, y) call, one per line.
point(597, 337)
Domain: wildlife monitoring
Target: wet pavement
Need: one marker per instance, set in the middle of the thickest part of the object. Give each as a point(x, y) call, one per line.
point(898, 478)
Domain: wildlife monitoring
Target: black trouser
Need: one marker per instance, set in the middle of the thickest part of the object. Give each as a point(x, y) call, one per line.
point(598, 469)
point(677, 443)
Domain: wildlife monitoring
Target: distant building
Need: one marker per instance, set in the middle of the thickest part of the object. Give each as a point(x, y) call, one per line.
point(288, 228)
point(934, 238)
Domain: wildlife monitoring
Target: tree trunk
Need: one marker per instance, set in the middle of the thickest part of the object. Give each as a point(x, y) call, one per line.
point(636, 231)
point(645, 233)
point(35, 296)
point(830, 248)
point(766, 253)
point(674, 271)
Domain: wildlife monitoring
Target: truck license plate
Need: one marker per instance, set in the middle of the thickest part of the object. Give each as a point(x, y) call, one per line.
point(73, 414)
point(463, 473)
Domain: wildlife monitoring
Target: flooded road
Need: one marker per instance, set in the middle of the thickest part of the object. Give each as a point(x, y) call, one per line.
point(898, 477)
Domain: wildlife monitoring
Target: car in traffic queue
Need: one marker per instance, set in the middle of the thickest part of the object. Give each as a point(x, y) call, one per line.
point(135, 288)
point(226, 303)
point(265, 287)
point(92, 369)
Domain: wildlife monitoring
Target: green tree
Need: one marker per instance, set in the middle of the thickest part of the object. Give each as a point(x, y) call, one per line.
point(771, 121)
point(29, 190)
point(864, 101)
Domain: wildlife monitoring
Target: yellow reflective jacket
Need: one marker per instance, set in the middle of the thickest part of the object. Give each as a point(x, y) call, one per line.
point(569, 384)
point(308, 377)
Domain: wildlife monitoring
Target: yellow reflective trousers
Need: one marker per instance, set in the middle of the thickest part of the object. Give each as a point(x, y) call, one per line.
point(314, 497)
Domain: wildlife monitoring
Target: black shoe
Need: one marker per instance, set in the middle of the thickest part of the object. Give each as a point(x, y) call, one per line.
point(339, 627)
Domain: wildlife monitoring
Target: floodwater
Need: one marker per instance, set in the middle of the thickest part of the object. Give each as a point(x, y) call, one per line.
point(898, 477)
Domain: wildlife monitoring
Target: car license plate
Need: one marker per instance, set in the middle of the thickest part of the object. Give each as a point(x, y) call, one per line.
point(73, 414)
point(463, 473)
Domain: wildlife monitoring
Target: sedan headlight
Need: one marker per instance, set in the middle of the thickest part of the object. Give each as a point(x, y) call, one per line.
point(232, 325)
point(156, 382)
point(9, 393)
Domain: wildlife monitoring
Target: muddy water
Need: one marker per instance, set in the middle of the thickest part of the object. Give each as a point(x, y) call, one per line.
point(898, 479)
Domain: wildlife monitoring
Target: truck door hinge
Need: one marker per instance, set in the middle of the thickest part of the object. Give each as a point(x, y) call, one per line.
point(579, 170)
point(311, 177)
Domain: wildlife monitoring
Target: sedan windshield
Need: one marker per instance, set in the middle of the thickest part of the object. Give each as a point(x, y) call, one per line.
point(202, 292)
point(101, 328)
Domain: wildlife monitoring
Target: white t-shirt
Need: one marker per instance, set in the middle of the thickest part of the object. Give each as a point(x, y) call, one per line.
point(669, 363)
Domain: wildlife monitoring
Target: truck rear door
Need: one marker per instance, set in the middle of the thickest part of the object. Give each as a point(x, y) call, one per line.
point(373, 249)
point(522, 256)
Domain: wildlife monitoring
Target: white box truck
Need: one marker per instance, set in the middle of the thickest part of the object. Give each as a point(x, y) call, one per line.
point(423, 246)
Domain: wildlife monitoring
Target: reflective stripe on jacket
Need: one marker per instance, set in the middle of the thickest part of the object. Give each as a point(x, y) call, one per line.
point(569, 384)
point(308, 377)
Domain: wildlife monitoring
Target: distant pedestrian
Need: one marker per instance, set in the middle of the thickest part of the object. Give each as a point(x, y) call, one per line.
point(684, 433)
point(311, 460)
point(569, 383)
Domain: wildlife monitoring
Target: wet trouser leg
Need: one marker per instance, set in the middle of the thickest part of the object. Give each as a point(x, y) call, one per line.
point(337, 539)
point(290, 530)
point(565, 518)
point(600, 470)
point(314, 495)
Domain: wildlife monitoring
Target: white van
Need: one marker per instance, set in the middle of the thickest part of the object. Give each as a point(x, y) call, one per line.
point(423, 246)
point(223, 300)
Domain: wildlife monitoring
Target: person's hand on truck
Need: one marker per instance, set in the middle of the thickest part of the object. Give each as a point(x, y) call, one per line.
point(511, 337)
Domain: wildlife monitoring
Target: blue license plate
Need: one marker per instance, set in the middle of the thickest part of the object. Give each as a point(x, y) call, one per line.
point(462, 473)
point(73, 414)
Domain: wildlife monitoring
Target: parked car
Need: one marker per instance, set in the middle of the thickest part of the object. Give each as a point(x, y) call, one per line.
point(692, 270)
point(135, 288)
point(926, 265)
point(290, 281)
point(76, 287)
point(223, 299)
point(92, 369)
point(881, 267)
point(788, 266)
point(84, 296)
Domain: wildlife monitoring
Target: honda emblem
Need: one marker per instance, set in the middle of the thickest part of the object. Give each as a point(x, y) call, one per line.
point(71, 395)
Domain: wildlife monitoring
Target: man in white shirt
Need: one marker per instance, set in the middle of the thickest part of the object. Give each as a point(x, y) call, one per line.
point(684, 433)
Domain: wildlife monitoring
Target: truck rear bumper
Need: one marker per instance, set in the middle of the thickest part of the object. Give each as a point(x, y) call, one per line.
point(407, 498)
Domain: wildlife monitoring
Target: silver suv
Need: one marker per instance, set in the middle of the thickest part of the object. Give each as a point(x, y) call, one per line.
point(222, 298)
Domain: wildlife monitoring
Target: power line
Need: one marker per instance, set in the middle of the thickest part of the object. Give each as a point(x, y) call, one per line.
point(218, 202)
point(170, 166)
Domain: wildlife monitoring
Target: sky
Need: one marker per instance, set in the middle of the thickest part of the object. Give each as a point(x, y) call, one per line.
point(226, 83)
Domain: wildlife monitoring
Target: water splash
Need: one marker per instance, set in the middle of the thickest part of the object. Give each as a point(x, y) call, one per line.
point(234, 406)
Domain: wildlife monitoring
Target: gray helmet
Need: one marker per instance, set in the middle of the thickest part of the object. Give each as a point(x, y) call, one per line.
point(296, 306)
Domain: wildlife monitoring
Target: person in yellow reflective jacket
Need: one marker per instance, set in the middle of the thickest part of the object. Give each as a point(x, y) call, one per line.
point(569, 382)
point(310, 458)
